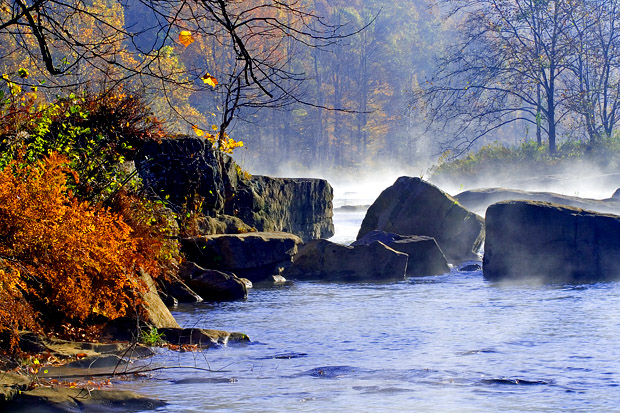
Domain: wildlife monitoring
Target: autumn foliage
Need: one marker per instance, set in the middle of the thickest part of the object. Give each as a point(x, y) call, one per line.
point(59, 253)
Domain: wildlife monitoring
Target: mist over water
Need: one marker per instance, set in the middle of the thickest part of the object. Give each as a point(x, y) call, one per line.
point(447, 343)
point(444, 344)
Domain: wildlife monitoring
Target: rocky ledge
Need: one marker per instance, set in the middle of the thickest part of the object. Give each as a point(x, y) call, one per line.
point(186, 170)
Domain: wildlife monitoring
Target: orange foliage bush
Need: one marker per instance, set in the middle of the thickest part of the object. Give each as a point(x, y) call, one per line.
point(65, 255)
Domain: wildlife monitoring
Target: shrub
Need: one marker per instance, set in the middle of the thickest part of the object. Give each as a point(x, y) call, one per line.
point(63, 255)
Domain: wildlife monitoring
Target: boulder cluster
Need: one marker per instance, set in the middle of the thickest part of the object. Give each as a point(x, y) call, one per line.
point(258, 229)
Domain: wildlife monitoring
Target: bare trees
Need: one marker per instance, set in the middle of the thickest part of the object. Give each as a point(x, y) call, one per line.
point(240, 44)
point(546, 63)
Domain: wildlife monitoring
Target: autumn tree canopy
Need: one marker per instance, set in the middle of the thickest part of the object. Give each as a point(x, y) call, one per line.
point(235, 44)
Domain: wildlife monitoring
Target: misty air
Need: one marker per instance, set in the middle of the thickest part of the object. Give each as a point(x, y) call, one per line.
point(309, 205)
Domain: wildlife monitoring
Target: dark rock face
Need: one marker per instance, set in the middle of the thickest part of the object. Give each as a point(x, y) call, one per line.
point(414, 207)
point(425, 257)
point(551, 243)
point(213, 285)
point(256, 256)
point(478, 200)
point(183, 168)
point(297, 205)
point(177, 290)
point(325, 260)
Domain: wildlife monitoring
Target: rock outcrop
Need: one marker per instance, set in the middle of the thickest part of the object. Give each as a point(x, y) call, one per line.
point(257, 256)
point(325, 260)
point(187, 172)
point(425, 256)
point(414, 207)
point(213, 285)
point(156, 313)
point(478, 200)
point(551, 243)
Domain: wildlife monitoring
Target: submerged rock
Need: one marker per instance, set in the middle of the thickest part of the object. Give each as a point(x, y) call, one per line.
point(186, 170)
point(551, 243)
point(325, 260)
point(414, 207)
point(256, 256)
point(65, 399)
point(203, 338)
point(213, 285)
point(425, 257)
point(478, 200)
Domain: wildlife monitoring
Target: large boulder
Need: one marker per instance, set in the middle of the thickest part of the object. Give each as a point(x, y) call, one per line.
point(325, 260)
point(414, 207)
point(257, 256)
point(478, 200)
point(425, 256)
point(213, 285)
point(550, 243)
point(301, 206)
point(188, 172)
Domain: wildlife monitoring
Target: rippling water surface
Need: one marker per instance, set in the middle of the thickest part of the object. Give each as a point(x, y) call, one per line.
point(447, 343)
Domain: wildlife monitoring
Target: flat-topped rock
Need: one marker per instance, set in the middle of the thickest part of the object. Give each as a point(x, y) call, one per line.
point(414, 207)
point(325, 260)
point(550, 243)
point(256, 256)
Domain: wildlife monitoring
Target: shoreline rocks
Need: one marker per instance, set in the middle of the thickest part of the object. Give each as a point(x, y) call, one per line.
point(188, 172)
point(257, 256)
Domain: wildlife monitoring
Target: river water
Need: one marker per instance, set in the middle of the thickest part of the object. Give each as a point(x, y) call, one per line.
point(448, 343)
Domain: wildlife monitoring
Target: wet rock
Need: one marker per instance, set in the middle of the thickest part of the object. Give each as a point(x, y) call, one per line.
point(470, 268)
point(425, 257)
point(213, 285)
point(325, 260)
point(550, 243)
point(64, 399)
point(203, 338)
point(478, 200)
point(183, 169)
point(256, 256)
point(177, 289)
point(414, 207)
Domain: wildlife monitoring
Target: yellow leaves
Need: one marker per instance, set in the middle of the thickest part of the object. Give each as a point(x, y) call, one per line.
point(209, 80)
point(220, 141)
point(186, 38)
point(198, 131)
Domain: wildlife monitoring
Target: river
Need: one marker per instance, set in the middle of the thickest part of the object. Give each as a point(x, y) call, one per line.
point(448, 343)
